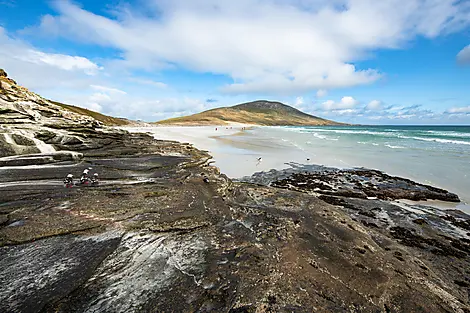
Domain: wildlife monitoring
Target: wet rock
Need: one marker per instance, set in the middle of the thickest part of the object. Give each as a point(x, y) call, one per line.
point(351, 183)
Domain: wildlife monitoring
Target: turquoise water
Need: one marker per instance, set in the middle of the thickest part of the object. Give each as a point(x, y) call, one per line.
point(436, 155)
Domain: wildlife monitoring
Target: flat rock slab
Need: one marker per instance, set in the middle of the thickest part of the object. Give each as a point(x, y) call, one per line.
point(138, 274)
point(141, 163)
point(34, 275)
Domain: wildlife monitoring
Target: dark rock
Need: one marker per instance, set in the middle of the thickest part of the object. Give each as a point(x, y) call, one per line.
point(48, 270)
point(22, 140)
point(420, 221)
point(5, 148)
point(461, 283)
point(45, 135)
point(435, 246)
point(367, 213)
point(353, 183)
point(154, 237)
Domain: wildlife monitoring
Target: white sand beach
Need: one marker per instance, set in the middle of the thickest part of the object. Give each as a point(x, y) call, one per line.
point(235, 148)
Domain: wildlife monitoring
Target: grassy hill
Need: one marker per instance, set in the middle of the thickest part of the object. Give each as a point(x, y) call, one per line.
point(267, 113)
point(105, 119)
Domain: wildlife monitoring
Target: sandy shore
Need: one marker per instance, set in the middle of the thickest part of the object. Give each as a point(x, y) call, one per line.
point(234, 148)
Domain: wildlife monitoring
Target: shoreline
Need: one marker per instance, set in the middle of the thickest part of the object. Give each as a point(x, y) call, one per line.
point(235, 152)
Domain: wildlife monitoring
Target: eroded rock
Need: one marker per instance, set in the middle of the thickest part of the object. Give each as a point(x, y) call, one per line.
point(154, 237)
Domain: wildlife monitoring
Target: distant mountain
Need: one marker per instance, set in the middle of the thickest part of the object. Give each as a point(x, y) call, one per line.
point(266, 113)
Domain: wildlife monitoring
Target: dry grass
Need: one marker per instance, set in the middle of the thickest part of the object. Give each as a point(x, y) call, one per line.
point(107, 120)
point(223, 116)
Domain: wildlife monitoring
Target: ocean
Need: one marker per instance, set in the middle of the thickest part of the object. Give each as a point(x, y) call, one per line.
point(435, 155)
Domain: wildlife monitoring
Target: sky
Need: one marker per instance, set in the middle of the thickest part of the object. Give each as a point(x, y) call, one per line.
point(355, 61)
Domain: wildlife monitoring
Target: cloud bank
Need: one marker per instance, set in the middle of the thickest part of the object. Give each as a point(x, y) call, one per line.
point(269, 46)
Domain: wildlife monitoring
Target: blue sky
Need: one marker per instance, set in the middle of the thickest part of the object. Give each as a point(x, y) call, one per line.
point(361, 61)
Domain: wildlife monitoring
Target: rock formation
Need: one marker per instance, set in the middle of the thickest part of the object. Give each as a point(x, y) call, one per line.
point(166, 232)
point(31, 124)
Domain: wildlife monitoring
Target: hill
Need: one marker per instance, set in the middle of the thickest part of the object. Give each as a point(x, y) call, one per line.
point(105, 119)
point(265, 113)
point(31, 124)
point(19, 90)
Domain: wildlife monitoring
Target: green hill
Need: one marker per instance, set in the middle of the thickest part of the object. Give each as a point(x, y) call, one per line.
point(267, 113)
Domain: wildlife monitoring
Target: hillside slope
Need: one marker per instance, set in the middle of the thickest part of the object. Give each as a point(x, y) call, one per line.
point(265, 113)
point(31, 124)
point(105, 119)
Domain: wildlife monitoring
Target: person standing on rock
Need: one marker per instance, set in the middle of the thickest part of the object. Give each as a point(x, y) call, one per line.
point(68, 181)
point(84, 179)
point(94, 179)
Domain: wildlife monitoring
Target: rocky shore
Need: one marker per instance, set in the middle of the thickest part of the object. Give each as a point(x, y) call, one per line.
point(165, 231)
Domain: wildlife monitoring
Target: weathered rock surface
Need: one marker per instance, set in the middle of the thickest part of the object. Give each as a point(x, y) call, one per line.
point(165, 232)
point(354, 183)
point(31, 124)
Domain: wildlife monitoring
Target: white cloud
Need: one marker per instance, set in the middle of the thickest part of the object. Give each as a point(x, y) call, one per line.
point(347, 112)
point(19, 51)
point(464, 55)
point(138, 107)
point(94, 106)
point(459, 110)
point(107, 89)
point(61, 61)
point(100, 97)
point(345, 104)
point(321, 93)
point(374, 105)
point(149, 82)
point(264, 45)
point(299, 101)
point(37, 69)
